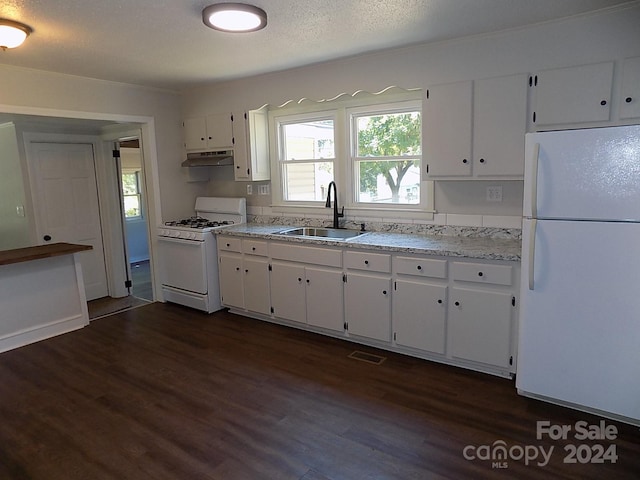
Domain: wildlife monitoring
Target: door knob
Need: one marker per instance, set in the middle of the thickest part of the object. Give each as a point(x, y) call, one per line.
point(46, 238)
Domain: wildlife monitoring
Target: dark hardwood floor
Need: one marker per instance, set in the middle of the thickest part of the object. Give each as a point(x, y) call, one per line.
point(165, 392)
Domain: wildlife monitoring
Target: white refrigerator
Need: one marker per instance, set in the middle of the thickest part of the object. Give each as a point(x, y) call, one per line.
point(579, 331)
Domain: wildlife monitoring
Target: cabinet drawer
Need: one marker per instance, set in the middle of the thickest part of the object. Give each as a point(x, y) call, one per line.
point(230, 244)
point(422, 267)
point(373, 262)
point(254, 247)
point(314, 255)
point(482, 273)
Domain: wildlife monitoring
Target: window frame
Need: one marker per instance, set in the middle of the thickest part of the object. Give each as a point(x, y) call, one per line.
point(308, 110)
point(138, 194)
point(353, 113)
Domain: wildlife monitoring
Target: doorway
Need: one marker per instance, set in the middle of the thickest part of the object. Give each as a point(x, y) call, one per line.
point(133, 199)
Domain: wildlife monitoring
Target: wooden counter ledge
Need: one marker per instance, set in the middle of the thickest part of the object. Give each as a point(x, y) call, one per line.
point(19, 255)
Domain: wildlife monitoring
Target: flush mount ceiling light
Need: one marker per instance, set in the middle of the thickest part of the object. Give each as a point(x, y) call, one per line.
point(12, 34)
point(234, 17)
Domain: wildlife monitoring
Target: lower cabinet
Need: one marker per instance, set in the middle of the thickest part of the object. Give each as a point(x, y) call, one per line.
point(457, 311)
point(368, 306)
point(288, 292)
point(480, 326)
point(420, 315)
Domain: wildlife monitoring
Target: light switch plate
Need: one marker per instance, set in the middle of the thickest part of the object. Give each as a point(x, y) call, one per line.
point(249, 189)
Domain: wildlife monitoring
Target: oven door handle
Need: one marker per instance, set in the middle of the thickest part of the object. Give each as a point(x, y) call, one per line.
point(183, 241)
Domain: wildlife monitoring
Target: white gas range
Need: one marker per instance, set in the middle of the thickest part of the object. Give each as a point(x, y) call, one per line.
point(187, 252)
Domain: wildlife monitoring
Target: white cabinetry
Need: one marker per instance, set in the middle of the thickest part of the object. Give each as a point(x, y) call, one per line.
point(213, 132)
point(419, 303)
point(462, 121)
point(230, 272)
point(630, 90)
point(307, 285)
point(368, 295)
point(251, 152)
point(573, 95)
point(244, 274)
point(481, 313)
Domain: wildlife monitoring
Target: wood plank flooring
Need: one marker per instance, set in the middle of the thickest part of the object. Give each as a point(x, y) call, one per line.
point(165, 392)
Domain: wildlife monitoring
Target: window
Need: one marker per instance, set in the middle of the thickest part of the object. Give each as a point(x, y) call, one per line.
point(131, 194)
point(306, 158)
point(386, 153)
point(371, 146)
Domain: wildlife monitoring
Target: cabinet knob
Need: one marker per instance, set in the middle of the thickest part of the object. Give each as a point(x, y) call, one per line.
point(480, 274)
point(46, 238)
point(237, 269)
point(366, 262)
point(439, 300)
point(246, 270)
point(464, 160)
point(457, 304)
point(237, 166)
point(209, 138)
point(628, 99)
point(253, 248)
point(482, 160)
point(307, 280)
point(202, 138)
point(603, 103)
point(419, 267)
point(299, 279)
point(228, 244)
point(384, 292)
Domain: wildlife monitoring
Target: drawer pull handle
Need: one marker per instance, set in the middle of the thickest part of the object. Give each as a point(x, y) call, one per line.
point(419, 267)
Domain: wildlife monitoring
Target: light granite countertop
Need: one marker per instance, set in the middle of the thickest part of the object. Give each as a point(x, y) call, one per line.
point(448, 246)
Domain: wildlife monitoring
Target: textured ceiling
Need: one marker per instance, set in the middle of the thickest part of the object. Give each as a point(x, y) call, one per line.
point(163, 43)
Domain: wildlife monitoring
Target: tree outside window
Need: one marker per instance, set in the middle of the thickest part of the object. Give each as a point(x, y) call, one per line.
point(387, 157)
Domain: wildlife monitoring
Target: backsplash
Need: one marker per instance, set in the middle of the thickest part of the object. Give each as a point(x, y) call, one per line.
point(494, 231)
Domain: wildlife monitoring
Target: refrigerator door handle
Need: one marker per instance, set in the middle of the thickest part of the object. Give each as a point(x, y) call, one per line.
point(534, 180)
point(532, 251)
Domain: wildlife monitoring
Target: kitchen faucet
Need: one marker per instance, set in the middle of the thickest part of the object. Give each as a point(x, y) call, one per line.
point(336, 215)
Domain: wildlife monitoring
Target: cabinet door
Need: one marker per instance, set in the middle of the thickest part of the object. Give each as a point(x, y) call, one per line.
point(256, 285)
point(230, 272)
point(195, 133)
point(288, 291)
point(574, 94)
point(325, 298)
point(251, 151)
point(419, 313)
point(219, 131)
point(630, 92)
point(480, 326)
point(499, 126)
point(446, 130)
point(368, 306)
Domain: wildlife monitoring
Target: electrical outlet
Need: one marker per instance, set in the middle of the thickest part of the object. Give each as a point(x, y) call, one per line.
point(249, 189)
point(263, 189)
point(494, 194)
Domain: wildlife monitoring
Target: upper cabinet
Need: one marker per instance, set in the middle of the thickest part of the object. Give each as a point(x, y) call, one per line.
point(630, 90)
point(245, 133)
point(475, 129)
point(251, 152)
point(573, 95)
point(213, 132)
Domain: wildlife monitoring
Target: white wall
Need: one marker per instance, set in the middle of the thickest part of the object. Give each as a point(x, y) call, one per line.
point(610, 35)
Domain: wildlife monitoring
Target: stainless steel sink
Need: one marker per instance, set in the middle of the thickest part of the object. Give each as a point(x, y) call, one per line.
point(326, 233)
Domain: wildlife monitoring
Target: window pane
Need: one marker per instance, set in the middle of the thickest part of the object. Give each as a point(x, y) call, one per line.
point(389, 181)
point(308, 140)
point(130, 183)
point(132, 206)
point(389, 135)
point(306, 181)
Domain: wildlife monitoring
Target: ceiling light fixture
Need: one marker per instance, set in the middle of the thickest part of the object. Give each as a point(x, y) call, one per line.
point(234, 17)
point(12, 34)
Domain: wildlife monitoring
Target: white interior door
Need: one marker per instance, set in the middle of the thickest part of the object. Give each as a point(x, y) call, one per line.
point(66, 205)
